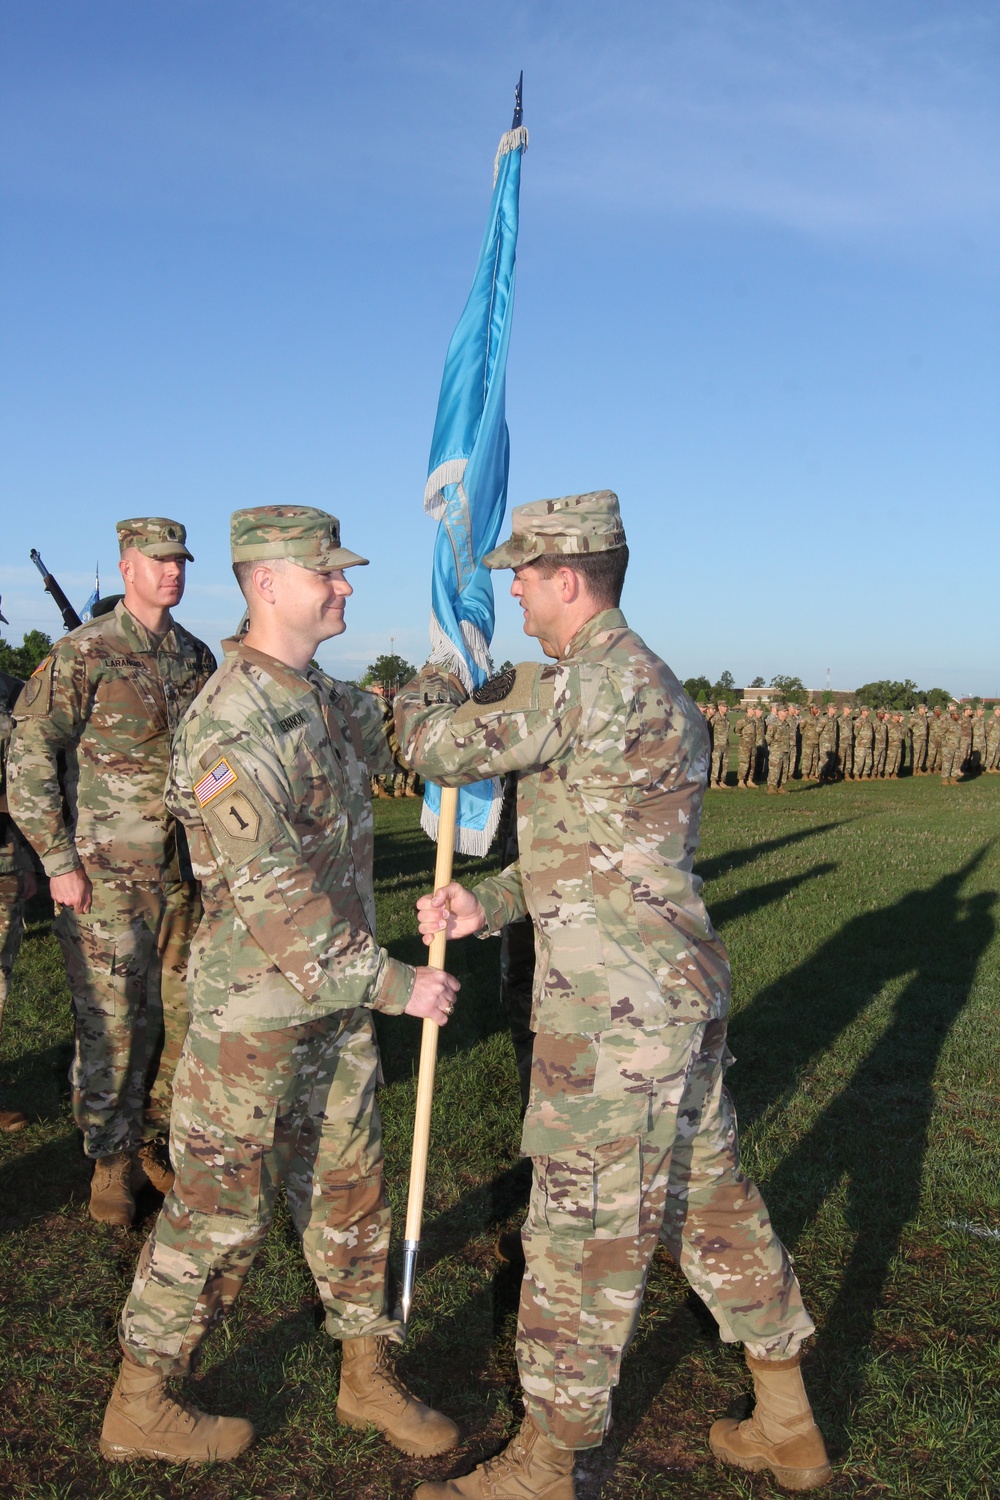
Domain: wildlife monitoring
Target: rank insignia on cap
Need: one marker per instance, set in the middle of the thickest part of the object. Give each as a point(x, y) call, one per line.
point(218, 778)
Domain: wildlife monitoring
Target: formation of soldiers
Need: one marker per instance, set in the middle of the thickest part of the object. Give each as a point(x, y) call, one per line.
point(208, 836)
point(851, 744)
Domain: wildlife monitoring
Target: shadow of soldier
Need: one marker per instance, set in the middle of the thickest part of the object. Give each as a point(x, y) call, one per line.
point(871, 1137)
point(735, 859)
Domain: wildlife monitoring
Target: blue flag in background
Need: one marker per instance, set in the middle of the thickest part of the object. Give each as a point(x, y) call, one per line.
point(467, 479)
point(87, 612)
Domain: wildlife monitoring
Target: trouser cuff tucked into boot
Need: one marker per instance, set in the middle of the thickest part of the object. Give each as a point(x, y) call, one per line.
point(143, 1421)
point(781, 1434)
point(372, 1395)
point(529, 1468)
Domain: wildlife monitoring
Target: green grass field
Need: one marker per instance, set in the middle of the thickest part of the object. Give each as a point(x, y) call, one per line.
point(861, 922)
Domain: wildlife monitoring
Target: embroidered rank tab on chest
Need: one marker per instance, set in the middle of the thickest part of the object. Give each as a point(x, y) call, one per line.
point(292, 721)
point(497, 688)
point(214, 783)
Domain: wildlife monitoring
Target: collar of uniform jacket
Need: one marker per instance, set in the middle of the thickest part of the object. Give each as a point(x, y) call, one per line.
point(139, 638)
point(597, 625)
point(289, 678)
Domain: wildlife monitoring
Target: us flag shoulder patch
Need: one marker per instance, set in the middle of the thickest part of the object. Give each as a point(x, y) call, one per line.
point(218, 778)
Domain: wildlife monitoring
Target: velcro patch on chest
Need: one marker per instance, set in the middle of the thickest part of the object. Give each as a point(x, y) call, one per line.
point(214, 782)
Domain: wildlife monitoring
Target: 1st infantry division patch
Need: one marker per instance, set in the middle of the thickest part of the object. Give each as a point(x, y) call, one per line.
point(214, 782)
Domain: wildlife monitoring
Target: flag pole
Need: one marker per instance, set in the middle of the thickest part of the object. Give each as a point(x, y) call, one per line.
point(428, 1064)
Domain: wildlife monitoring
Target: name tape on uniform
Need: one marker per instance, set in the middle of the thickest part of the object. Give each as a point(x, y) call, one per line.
point(215, 781)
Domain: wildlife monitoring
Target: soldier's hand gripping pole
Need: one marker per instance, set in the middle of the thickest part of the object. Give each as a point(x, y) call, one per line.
point(428, 1063)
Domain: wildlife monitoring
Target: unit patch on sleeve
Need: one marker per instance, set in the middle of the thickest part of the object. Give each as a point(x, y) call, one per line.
point(214, 782)
point(36, 695)
point(497, 688)
point(240, 818)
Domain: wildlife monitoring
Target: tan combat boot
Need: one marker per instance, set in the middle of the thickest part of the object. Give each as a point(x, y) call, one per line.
point(372, 1395)
point(12, 1119)
point(143, 1421)
point(152, 1161)
point(529, 1468)
point(111, 1200)
point(781, 1434)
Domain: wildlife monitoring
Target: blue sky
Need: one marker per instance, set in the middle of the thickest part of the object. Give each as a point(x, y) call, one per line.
point(757, 296)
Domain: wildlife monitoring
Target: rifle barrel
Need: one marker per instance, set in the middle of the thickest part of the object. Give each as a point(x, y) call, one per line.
point(70, 617)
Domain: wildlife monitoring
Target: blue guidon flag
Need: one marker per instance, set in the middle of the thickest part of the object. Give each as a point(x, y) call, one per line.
point(466, 487)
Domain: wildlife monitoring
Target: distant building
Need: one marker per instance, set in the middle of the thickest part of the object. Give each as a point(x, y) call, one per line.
point(754, 697)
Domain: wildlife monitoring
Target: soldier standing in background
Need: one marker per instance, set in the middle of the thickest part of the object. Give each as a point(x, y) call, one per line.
point(880, 747)
point(719, 731)
point(918, 727)
point(276, 1086)
point(107, 699)
point(746, 728)
point(993, 741)
point(828, 736)
point(760, 754)
point(17, 875)
point(794, 743)
point(779, 736)
point(951, 747)
point(810, 744)
point(936, 725)
point(845, 743)
point(978, 758)
point(895, 738)
point(966, 722)
point(864, 740)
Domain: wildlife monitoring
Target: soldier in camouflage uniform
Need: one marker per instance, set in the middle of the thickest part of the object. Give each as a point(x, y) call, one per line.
point(936, 725)
point(864, 745)
point(17, 877)
point(809, 735)
point(779, 739)
point(828, 737)
point(845, 742)
point(103, 704)
point(794, 739)
point(951, 747)
point(760, 755)
point(993, 741)
point(978, 757)
point(895, 737)
point(746, 728)
point(719, 731)
point(276, 1085)
point(880, 747)
point(631, 1132)
point(966, 726)
point(918, 728)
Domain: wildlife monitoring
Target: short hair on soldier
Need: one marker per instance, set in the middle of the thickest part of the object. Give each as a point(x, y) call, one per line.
point(603, 572)
point(244, 571)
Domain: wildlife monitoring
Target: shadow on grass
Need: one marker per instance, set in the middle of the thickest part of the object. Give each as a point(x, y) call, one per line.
point(872, 1135)
point(757, 897)
point(736, 859)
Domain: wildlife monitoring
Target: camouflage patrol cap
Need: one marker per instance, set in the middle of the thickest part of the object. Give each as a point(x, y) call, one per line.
point(154, 536)
point(571, 526)
point(300, 533)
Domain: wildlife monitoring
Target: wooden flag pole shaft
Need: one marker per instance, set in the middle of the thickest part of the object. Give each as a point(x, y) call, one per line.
point(428, 1063)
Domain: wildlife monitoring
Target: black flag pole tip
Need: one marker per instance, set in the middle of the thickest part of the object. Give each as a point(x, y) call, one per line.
point(515, 123)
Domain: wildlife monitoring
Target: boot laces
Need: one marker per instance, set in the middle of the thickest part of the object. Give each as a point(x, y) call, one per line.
point(385, 1373)
point(504, 1463)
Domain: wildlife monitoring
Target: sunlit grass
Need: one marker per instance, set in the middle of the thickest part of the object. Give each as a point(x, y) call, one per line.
point(861, 926)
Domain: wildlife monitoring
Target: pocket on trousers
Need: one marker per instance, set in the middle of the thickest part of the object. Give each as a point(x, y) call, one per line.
point(220, 1160)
